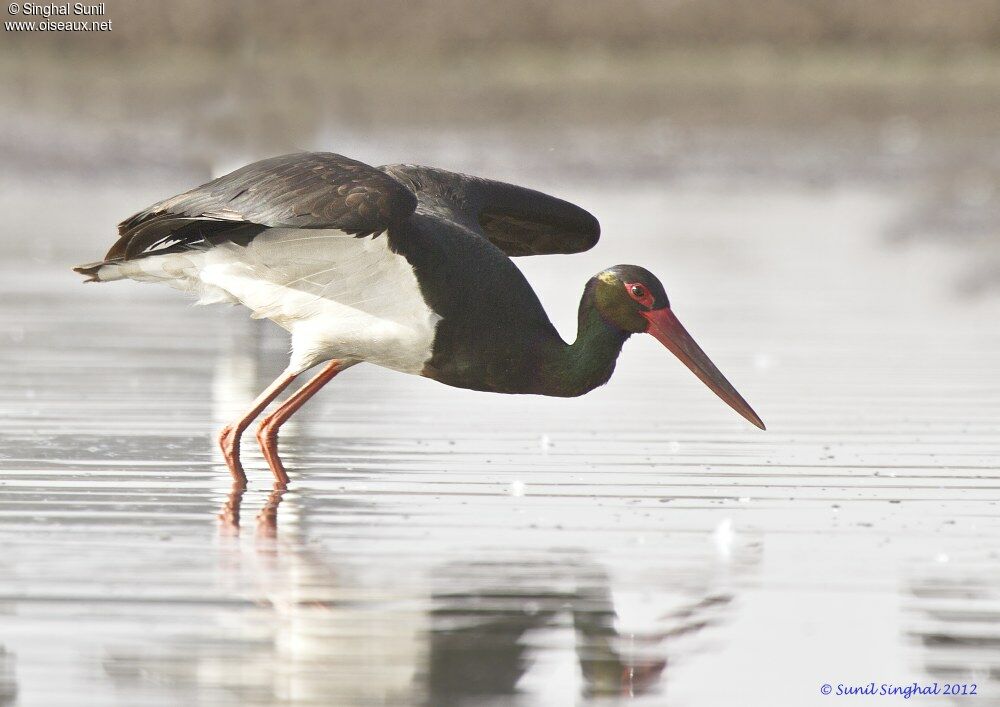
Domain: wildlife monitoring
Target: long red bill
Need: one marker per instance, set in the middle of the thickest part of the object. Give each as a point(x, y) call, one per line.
point(668, 330)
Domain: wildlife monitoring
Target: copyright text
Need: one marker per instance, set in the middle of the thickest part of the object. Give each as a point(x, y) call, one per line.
point(85, 17)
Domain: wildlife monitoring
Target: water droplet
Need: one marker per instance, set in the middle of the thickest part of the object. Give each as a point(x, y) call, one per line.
point(723, 537)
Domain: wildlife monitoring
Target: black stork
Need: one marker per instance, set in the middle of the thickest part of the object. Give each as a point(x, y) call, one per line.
point(403, 266)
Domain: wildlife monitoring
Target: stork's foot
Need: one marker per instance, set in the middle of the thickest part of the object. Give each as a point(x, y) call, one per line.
point(267, 437)
point(229, 442)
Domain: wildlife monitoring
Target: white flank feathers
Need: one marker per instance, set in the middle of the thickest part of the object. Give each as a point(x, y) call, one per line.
point(340, 297)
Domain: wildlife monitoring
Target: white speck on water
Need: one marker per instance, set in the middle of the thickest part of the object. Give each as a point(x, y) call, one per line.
point(545, 443)
point(517, 488)
point(941, 558)
point(674, 447)
point(744, 499)
point(763, 361)
point(723, 537)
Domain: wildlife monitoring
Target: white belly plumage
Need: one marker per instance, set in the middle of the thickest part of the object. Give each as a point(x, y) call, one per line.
point(340, 297)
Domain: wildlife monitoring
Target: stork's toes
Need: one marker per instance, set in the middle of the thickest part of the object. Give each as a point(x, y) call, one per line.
point(229, 442)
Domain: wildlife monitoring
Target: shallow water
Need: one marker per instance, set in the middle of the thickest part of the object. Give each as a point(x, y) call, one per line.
point(641, 544)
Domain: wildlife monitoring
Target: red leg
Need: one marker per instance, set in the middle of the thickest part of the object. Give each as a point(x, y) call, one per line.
point(229, 437)
point(267, 431)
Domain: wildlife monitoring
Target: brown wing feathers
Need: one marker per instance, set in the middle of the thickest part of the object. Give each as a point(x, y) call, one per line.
point(326, 190)
point(307, 190)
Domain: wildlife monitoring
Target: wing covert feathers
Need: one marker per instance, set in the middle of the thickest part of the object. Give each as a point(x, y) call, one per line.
point(304, 190)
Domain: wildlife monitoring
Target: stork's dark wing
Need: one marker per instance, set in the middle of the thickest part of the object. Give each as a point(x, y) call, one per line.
point(305, 190)
point(520, 221)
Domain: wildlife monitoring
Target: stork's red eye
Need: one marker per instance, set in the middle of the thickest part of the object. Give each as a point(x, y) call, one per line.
point(640, 293)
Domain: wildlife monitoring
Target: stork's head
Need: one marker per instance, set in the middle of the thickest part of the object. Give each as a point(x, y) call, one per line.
point(631, 298)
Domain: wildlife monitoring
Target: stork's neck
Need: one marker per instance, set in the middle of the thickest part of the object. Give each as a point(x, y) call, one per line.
point(590, 360)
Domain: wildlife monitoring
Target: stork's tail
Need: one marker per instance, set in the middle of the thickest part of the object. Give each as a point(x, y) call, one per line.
point(103, 271)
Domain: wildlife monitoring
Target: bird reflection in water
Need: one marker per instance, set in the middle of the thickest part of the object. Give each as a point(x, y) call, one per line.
point(954, 622)
point(460, 631)
point(482, 641)
point(267, 517)
point(8, 677)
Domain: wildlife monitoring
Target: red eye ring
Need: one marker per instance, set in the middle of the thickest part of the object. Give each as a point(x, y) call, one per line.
point(640, 293)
